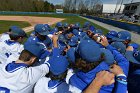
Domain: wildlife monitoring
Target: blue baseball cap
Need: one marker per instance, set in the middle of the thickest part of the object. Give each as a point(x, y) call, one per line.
point(48, 27)
point(89, 50)
point(16, 32)
point(54, 30)
point(36, 49)
point(66, 35)
point(58, 64)
point(122, 36)
point(119, 46)
point(80, 30)
point(59, 24)
point(99, 31)
point(86, 37)
point(86, 24)
point(82, 34)
point(41, 29)
point(73, 41)
point(109, 58)
point(77, 25)
point(75, 32)
point(62, 40)
point(71, 54)
point(133, 56)
point(111, 34)
point(65, 24)
point(13, 27)
point(92, 28)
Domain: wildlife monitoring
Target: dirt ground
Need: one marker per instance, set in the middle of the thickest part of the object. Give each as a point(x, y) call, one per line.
point(32, 20)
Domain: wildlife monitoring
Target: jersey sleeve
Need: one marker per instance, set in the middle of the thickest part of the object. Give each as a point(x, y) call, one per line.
point(121, 84)
point(120, 59)
point(33, 74)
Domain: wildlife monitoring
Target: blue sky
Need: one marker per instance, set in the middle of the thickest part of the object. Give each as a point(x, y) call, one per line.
point(104, 1)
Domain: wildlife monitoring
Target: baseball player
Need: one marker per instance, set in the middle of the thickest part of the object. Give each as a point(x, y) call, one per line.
point(55, 83)
point(13, 45)
point(18, 76)
point(134, 69)
point(110, 35)
point(88, 63)
point(5, 36)
point(88, 26)
point(123, 36)
point(59, 26)
point(41, 32)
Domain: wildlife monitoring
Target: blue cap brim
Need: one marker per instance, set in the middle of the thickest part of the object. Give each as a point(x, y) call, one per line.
point(129, 56)
point(109, 58)
point(44, 33)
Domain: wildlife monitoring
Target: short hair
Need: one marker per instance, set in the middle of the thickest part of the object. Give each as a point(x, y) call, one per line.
point(26, 55)
point(13, 37)
point(57, 77)
point(87, 66)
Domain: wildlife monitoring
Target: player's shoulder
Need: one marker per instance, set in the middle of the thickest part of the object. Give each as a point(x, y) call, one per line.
point(42, 80)
point(42, 86)
point(4, 37)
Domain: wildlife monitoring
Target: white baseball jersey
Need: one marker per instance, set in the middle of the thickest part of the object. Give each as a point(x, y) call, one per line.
point(8, 48)
point(62, 87)
point(19, 78)
point(4, 37)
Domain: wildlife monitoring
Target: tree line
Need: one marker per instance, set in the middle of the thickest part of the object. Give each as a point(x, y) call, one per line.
point(69, 6)
point(26, 5)
point(83, 6)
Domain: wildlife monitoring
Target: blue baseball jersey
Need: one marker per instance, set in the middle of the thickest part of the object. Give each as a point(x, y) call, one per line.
point(81, 80)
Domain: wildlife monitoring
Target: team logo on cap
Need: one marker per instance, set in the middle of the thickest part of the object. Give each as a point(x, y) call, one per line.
point(119, 35)
point(136, 53)
point(43, 28)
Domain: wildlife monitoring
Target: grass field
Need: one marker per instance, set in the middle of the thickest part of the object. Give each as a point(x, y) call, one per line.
point(4, 25)
point(68, 19)
point(74, 19)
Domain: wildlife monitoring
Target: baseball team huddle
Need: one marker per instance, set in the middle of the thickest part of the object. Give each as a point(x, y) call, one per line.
point(69, 58)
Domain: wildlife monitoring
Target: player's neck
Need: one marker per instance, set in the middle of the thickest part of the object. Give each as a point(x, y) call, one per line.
point(19, 61)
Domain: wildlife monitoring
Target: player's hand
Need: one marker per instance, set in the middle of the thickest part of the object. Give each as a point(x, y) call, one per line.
point(104, 41)
point(115, 69)
point(130, 48)
point(104, 78)
point(71, 25)
point(55, 37)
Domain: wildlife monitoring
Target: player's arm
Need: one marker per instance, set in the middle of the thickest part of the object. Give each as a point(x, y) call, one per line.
point(33, 74)
point(121, 79)
point(102, 78)
point(119, 58)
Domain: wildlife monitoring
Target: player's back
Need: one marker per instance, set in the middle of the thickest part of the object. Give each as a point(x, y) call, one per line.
point(15, 78)
point(43, 86)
